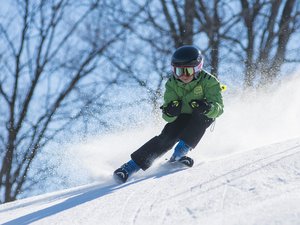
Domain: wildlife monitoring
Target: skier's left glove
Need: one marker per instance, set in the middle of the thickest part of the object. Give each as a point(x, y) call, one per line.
point(200, 106)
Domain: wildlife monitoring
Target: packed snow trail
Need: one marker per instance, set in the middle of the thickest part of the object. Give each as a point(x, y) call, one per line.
point(260, 186)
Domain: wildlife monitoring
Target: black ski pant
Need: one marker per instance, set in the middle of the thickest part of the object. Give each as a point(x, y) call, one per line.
point(187, 127)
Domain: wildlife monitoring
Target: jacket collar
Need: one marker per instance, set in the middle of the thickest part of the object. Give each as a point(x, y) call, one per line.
point(188, 86)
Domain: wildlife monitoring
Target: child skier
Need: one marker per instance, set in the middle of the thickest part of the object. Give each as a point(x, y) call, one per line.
point(192, 100)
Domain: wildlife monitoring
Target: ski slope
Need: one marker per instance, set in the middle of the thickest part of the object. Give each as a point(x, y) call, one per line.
point(240, 176)
point(259, 186)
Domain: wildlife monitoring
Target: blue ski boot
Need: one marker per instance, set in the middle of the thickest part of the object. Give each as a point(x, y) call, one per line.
point(180, 152)
point(125, 171)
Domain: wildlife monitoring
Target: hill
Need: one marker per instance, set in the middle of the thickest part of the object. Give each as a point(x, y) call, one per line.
point(259, 186)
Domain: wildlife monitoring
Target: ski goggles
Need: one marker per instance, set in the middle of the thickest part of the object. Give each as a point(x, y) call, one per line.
point(187, 71)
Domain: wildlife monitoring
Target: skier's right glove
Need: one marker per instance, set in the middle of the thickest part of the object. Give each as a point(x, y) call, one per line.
point(172, 109)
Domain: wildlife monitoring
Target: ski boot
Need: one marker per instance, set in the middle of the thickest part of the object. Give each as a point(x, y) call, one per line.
point(179, 154)
point(187, 161)
point(125, 171)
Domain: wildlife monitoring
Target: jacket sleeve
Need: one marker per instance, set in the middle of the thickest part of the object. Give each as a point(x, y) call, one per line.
point(213, 95)
point(169, 95)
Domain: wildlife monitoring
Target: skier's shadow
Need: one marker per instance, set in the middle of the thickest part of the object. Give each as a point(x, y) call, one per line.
point(168, 170)
point(80, 197)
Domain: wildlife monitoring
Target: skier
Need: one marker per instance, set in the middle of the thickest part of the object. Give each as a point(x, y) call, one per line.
point(192, 101)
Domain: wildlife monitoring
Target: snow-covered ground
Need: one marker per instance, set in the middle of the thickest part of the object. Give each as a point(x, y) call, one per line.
point(259, 186)
point(246, 172)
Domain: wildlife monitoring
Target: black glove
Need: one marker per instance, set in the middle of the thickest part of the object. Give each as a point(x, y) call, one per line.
point(173, 108)
point(201, 106)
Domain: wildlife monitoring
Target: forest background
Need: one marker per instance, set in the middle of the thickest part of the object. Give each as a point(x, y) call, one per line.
point(71, 69)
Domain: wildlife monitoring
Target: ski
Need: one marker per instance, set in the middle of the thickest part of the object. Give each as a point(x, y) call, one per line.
point(185, 160)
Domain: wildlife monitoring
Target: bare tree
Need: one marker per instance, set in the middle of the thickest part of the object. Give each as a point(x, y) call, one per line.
point(50, 51)
point(162, 27)
point(187, 22)
point(215, 19)
point(180, 20)
point(269, 27)
point(257, 35)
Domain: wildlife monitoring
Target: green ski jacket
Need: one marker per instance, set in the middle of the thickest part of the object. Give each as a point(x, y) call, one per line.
point(205, 87)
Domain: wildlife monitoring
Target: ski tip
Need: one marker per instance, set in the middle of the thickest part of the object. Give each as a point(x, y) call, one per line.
point(119, 178)
point(187, 161)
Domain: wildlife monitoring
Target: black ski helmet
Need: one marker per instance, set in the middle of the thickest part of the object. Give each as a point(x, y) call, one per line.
point(187, 55)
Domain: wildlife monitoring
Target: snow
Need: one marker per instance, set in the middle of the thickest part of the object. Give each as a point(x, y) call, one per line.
point(247, 171)
point(259, 186)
